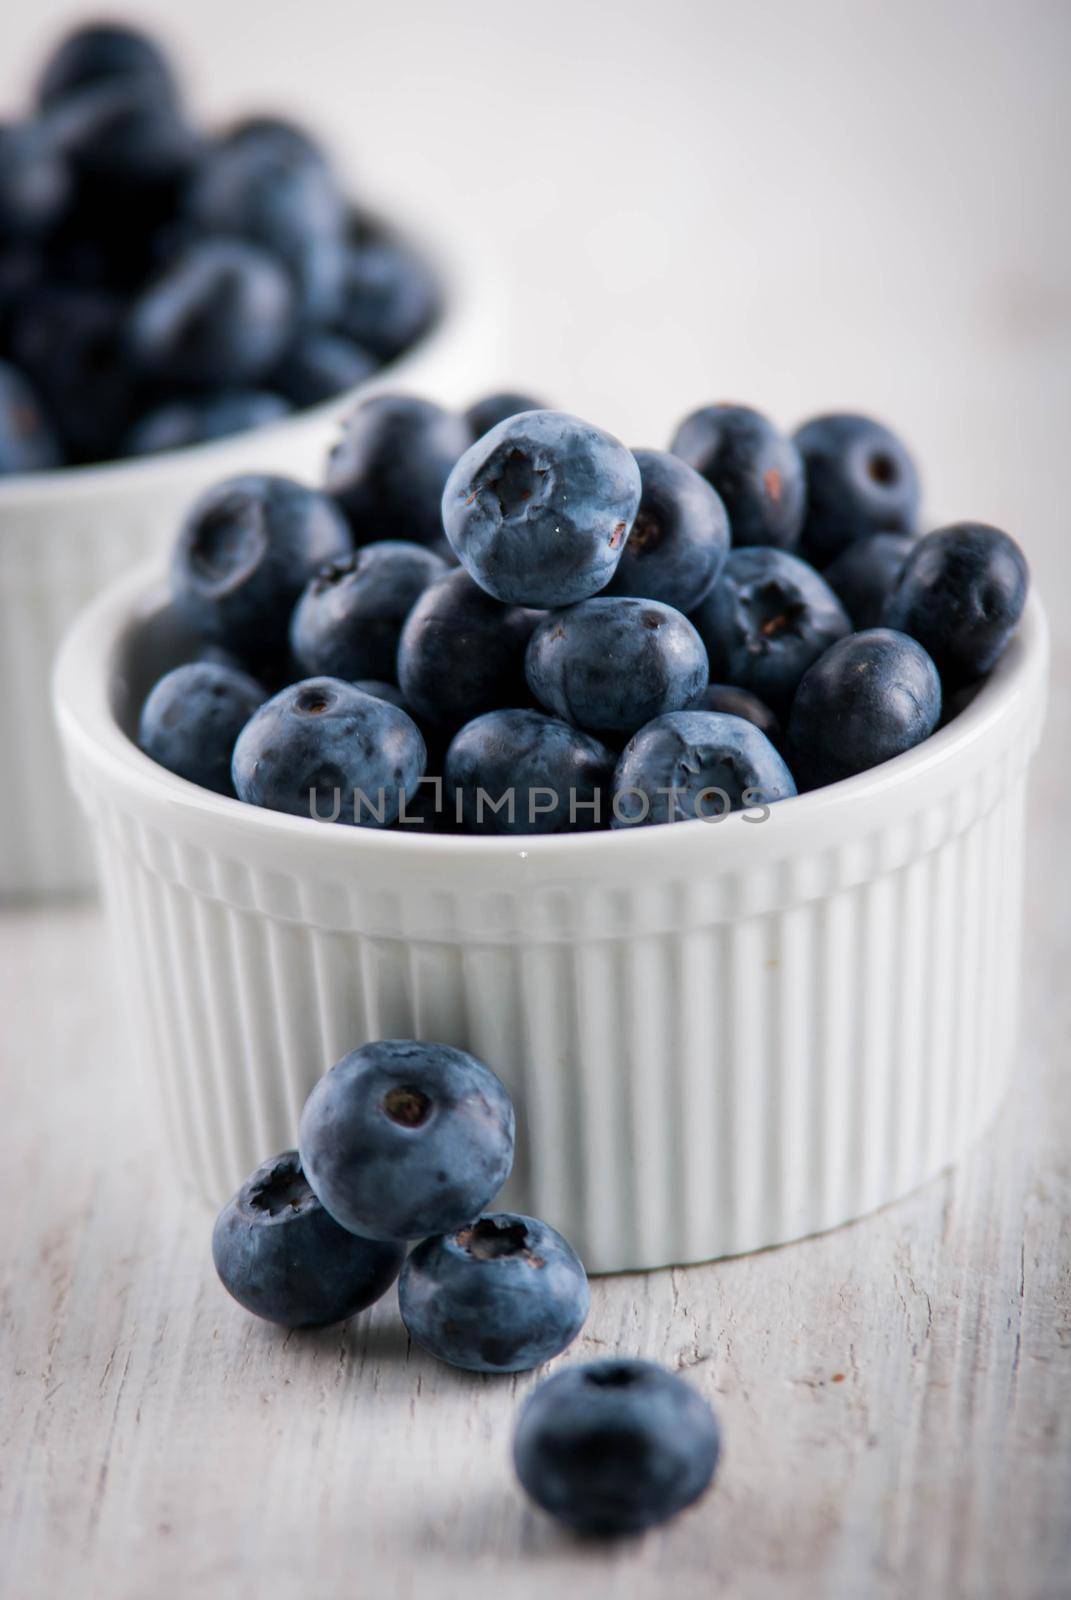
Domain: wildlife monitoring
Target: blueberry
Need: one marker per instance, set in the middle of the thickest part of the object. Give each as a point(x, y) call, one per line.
point(35, 183)
point(539, 509)
point(865, 574)
point(323, 749)
point(766, 619)
point(390, 297)
point(755, 469)
point(961, 595)
point(275, 133)
point(320, 365)
point(272, 191)
point(405, 1138)
point(126, 144)
point(388, 469)
point(522, 772)
point(461, 653)
point(192, 718)
point(67, 342)
point(739, 703)
point(614, 663)
point(104, 52)
point(503, 1294)
point(491, 409)
point(245, 551)
point(615, 1446)
point(283, 1258)
point(871, 696)
point(181, 423)
point(680, 537)
point(349, 617)
point(860, 481)
point(220, 314)
point(27, 442)
point(692, 764)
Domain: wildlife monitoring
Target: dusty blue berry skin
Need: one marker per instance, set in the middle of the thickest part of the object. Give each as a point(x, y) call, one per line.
point(405, 1138)
point(245, 551)
point(756, 470)
point(865, 574)
point(35, 184)
point(961, 594)
point(689, 753)
point(491, 409)
point(680, 538)
point(739, 703)
point(27, 440)
point(191, 720)
point(220, 314)
point(504, 1294)
point(461, 653)
point(613, 663)
point(390, 298)
point(320, 365)
point(615, 1446)
point(181, 423)
point(518, 753)
point(871, 696)
point(280, 1255)
point(388, 469)
point(322, 748)
point(539, 509)
point(349, 617)
point(860, 481)
point(104, 53)
point(766, 619)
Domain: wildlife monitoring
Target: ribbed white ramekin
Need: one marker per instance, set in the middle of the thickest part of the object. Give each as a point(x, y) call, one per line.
point(719, 1035)
point(65, 535)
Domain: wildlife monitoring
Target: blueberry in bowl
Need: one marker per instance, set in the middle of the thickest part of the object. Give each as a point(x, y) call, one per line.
point(191, 720)
point(461, 653)
point(348, 619)
point(702, 765)
point(865, 574)
point(755, 469)
point(521, 772)
point(389, 467)
point(679, 538)
point(861, 480)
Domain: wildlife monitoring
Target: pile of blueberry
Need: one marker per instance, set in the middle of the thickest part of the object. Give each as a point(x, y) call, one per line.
point(405, 1140)
point(603, 638)
point(159, 287)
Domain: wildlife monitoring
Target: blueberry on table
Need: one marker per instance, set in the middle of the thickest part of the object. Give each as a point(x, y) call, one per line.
point(389, 298)
point(104, 52)
point(615, 1446)
point(766, 619)
point(871, 696)
point(27, 440)
point(324, 749)
point(461, 653)
point(349, 617)
point(680, 537)
point(523, 772)
point(503, 1294)
point(755, 469)
point(404, 1138)
point(245, 551)
point(320, 365)
point(491, 409)
point(177, 424)
point(539, 509)
point(860, 481)
point(35, 183)
point(220, 314)
point(281, 1256)
point(613, 663)
point(866, 572)
point(390, 465)
point(696, 764)
point(739, 703)
point(68, 342)
point(961, 594)
point(191, 720)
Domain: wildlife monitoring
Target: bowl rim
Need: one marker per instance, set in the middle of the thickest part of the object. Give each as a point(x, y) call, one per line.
point(466, 290)
point(83, 686)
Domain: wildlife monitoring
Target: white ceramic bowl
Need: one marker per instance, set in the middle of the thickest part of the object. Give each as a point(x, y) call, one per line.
point(64, 535)
point(719, 1036)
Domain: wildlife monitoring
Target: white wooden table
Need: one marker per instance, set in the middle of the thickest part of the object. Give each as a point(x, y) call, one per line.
point(803, 209)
